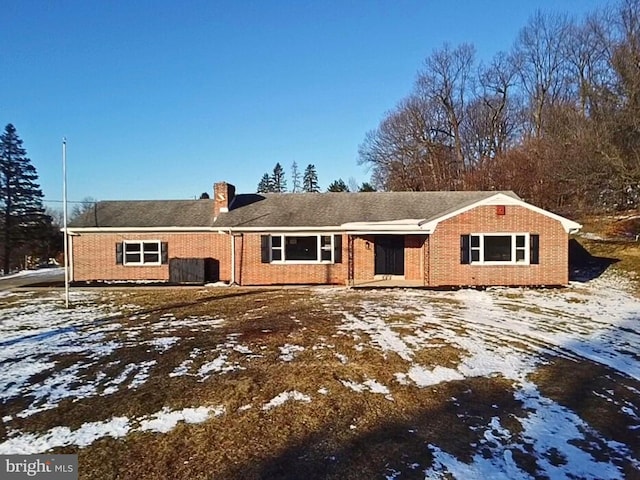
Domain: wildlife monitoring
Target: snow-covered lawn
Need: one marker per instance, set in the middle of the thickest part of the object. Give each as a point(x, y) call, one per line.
point(340, 366)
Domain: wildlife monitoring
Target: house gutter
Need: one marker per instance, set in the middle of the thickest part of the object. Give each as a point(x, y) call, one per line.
point(80, 230)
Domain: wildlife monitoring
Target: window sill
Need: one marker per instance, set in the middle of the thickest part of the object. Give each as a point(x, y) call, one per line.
point(301, 262)
point(142, 264)
point(501, 264)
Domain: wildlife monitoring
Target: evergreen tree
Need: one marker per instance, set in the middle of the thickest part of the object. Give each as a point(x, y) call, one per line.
point(366, 187)
point(265, 184)
point(295, 178)
point(338, 186)
point(310, 180)
point(23, 218)
point(278, 182)
point(204, 196)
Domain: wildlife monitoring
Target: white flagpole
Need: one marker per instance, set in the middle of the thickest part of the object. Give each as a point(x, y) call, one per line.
point(64, 210)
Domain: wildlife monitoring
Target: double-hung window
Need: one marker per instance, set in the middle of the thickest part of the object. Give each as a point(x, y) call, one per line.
point(141, 253)
point(499, 248)
point(316, 248)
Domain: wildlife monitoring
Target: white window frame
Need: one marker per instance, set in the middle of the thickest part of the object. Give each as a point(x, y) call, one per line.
point(514, 249)
point(141, 243)
point(320, 248)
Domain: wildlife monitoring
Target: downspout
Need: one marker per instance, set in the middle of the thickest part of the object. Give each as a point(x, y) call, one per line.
point(233, 259)
point(71, 274)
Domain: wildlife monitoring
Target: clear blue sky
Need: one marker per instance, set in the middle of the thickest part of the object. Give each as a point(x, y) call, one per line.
point(160, 99)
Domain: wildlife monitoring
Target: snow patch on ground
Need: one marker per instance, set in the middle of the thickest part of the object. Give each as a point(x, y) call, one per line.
point(163, 421)
point(424, 378)
point(508, 332)
point(288, 352)
point(166, 420)
point(219, 365)
point(368, 385)
point(284, 397)
point(381, 334)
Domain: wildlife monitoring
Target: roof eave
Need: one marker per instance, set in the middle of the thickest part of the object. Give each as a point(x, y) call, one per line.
point(72, 230)
point(502, 199)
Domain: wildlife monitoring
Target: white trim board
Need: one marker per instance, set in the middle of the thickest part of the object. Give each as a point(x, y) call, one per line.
point(501, 199)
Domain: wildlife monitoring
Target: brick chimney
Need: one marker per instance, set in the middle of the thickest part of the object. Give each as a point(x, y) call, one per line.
point(223, 194)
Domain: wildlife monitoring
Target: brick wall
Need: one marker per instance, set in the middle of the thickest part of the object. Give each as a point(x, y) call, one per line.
point(251, 271)
point(434, 259)
point(444, 249)
point(364, 257)
point(94, 254)
point(414, 246)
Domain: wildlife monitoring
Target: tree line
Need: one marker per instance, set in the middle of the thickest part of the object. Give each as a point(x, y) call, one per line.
point(556, 118)
point(306, 183)
point(26, 230)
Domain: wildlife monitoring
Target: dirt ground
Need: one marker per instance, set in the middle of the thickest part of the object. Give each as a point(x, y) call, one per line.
point(326, 382)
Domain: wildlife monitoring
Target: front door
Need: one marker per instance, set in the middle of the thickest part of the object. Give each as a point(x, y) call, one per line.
point(389, 255)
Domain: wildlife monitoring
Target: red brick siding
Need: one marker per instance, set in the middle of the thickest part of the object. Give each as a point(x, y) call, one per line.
point(426, 259)
point(444, 249)
point(414, 257)
point(252, 271)
point(364, 257)
point(94, 254)
point(434, 259)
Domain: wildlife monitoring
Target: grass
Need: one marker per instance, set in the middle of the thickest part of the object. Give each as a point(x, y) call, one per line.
point(611, 239)
point(340, 435)
point(597, 395)
point(344, 434)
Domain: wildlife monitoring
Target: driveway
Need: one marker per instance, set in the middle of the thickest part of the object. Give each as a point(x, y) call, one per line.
point(32, 277)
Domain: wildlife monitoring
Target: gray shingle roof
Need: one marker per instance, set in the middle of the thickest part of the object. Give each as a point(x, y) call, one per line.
point(333, 209)
point(281, 210)
point(148, 213)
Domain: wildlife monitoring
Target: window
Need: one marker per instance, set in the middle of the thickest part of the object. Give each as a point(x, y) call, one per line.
point(326, 248)
point(142, 253)
point(276, 248)
point(302, 248)
point(499, 248)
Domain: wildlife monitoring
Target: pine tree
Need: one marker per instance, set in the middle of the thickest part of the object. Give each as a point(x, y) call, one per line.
point(310, 180)
point(23, 218)
point(278, 182)
point(295, 178)
point(366, 187)
point(265, 184)
point(338, 186)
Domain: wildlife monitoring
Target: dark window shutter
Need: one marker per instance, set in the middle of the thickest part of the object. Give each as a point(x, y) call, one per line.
point(119, 255)
point(534, 249)
point(164, 253)
point(465, 251)
point(265, 247)
point(337, 249)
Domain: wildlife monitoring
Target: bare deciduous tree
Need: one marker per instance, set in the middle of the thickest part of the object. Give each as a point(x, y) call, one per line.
point(542, 60)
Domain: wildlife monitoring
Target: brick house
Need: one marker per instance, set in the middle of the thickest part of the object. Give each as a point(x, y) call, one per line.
point(428, 239)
